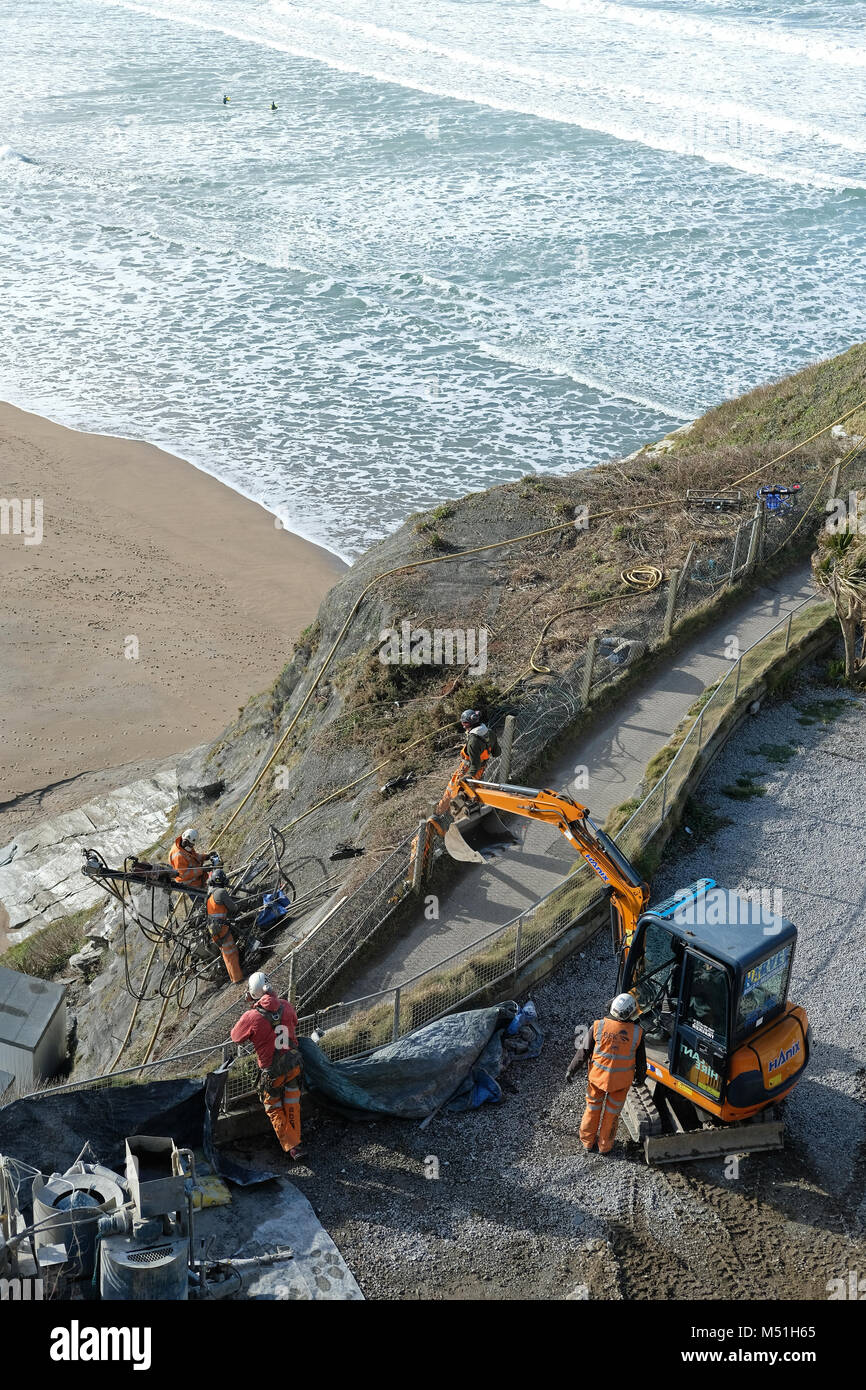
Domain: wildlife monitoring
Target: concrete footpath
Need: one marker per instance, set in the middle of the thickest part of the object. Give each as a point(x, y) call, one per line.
point(614, 757)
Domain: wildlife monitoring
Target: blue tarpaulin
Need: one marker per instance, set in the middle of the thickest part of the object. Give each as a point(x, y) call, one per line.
point(451, 1064)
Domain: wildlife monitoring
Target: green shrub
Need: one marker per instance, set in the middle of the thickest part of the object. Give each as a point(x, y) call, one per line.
point(744, 788)
point(47, 952)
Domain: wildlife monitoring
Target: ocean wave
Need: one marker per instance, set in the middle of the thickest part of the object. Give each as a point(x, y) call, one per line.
point(448, 288)
point(679, 144)
point(412, 43)
point(538, 362)
point(747, 115)
point(15, 156)
point(812, 46)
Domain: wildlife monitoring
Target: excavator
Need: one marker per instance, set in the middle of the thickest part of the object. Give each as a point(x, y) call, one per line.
point(709, 971)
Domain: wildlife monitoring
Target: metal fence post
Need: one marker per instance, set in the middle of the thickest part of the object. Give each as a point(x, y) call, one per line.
point(505, 744)
point(396, 1029)
point(739, 669)
point(756, 537)
point(290, 987)
point(734, 556)
point(700, 729)
point(673, 584)
point(586, 682)
point(518, 941)
point(834, 483)
point(418, 866)
point(664, 794)
point(788, 630)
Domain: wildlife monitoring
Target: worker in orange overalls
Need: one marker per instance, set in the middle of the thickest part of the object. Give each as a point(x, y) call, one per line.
point(186, 861)
point(617, 1060)
point(272, 1027)
point(221, 907)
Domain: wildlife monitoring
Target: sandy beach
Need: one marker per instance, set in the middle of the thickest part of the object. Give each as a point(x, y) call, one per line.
point(156, 602)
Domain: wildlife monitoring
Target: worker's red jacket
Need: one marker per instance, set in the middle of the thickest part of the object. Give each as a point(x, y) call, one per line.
point(260, 1031)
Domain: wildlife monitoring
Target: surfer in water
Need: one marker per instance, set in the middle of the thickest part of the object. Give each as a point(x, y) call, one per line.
point(226, 100)
point(274, 106)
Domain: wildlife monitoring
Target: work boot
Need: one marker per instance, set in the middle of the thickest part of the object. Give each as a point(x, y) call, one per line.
point(297, 1153)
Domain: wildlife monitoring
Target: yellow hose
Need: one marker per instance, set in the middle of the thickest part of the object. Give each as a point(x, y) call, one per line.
point(641, 580)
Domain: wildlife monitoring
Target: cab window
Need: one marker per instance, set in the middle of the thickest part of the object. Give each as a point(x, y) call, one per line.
point(705, 1007)
point(765, 986)
point(655, 973)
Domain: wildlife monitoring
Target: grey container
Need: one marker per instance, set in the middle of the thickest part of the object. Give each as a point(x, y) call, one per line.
point(155, 1175)
point(75, 1227)
point(143, 1273)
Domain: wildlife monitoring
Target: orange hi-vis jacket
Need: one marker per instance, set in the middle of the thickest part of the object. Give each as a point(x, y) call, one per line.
point(217, 917)
point(218, 921)
point(477, 750)
point(187, 865)
point(614, 1056)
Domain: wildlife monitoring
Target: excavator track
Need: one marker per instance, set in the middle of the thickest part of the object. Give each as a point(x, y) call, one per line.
point(640, 1115)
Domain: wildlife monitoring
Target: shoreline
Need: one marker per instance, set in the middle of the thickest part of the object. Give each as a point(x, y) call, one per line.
point(152, 601)
point(167, 447)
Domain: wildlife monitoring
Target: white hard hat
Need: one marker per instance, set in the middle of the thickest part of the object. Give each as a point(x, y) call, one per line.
point(258, 985)
point(191, 834)
point(623, 1006)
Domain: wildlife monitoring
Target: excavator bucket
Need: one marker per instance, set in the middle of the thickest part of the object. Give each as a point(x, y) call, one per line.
point(714, 1142)
point(458, 848)
point(671, 1131)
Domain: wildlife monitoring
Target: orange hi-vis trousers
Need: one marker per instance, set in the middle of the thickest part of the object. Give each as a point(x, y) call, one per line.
point(282, 1101)
point(228, 950)
point(601, 1117)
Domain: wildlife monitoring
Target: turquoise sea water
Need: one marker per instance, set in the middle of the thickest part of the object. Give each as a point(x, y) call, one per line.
point(478, 238)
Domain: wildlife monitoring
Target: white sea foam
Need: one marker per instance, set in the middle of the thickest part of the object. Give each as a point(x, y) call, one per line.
point(459, 82)
point(813, 46)
point(538, 362)
point(14, 156)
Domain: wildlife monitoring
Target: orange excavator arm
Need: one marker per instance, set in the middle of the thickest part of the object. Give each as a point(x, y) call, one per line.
point(628, 891)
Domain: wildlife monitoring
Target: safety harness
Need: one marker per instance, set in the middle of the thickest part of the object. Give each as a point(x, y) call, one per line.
point(285, 1059)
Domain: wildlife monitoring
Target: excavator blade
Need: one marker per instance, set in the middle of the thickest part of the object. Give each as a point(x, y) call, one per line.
point(458, 848)
point(760, 1137)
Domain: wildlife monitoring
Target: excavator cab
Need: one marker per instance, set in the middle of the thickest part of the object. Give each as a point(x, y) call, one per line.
point(710, 972)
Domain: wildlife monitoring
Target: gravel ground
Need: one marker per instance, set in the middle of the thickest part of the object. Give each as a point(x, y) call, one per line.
point(518, 1210)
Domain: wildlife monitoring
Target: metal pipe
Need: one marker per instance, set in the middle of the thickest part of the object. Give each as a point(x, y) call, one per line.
point(188, 1154)
point(250, 1262)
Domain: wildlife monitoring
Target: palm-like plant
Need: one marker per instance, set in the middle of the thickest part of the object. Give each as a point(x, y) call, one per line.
point(839, 569)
